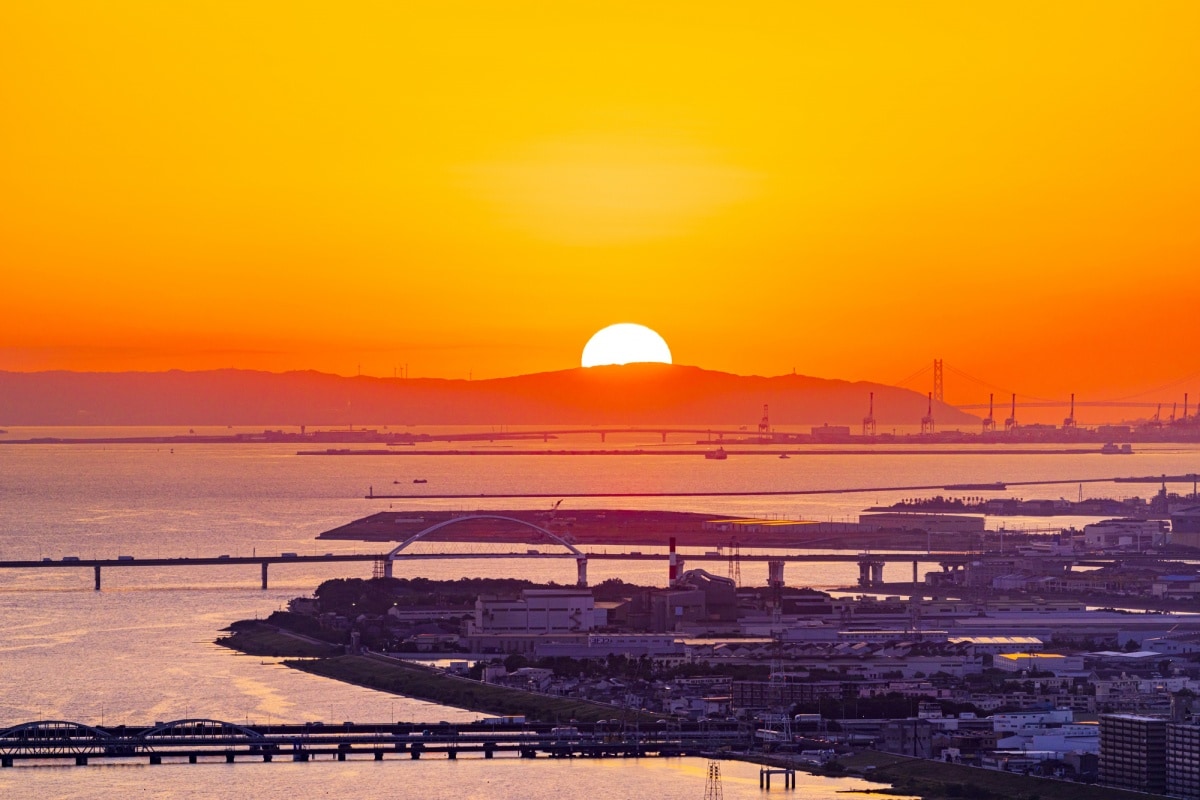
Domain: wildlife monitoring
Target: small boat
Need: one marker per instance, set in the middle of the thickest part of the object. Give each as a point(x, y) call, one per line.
point(420, 480)
point(784, 455)
point(1110, 449)
point(718, 455)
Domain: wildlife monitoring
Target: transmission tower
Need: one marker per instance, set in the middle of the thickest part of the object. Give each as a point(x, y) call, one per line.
point(735, 562)
point(939, 384)
point(776, 682)
point(712, 787)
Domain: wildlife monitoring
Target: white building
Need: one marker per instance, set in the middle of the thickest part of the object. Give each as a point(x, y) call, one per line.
point(1013, 722)
point(1125, 534)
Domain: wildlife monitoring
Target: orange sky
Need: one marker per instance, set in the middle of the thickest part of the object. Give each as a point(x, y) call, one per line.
point(468, 187)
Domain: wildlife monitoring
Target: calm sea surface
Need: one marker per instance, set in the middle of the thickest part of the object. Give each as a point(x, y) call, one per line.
point(141, 650)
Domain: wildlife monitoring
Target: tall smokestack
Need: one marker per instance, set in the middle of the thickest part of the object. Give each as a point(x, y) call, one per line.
point(673, 565)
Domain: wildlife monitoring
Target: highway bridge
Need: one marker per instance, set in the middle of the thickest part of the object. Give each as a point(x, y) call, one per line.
point(873, 562)
point(870, 564)
point(99, 564)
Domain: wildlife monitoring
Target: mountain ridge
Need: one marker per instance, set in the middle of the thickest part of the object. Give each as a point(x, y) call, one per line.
point(633, 394)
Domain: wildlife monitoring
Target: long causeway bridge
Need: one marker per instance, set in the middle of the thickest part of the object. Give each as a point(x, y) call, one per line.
point(194, 740)
point(870, 564)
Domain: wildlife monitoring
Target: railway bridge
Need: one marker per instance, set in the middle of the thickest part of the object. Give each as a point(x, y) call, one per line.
point(217, 740)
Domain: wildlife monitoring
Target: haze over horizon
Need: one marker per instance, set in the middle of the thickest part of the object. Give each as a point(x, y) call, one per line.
point(474, 190)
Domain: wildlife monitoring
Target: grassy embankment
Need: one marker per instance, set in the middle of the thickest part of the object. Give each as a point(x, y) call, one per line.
point(936, 780)
point(424, 683)
point(417, 681)
point(267, 640)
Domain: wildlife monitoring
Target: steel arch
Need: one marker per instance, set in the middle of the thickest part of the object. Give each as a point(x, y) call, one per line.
point(416, 537)
point(199, 729)
point(54, 736)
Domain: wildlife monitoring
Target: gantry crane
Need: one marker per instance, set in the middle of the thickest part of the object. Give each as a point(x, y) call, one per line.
point(927, 420)
point(869, 420)
point(989, 422)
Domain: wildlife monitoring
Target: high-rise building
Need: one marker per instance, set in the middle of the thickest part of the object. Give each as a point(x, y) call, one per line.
point(1183, 760)
point(1133, 752)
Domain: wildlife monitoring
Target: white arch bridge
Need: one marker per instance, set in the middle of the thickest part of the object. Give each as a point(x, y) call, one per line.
point(569, 550)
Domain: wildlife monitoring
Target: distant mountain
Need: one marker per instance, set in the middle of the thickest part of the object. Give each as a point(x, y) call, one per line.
point(635, 394)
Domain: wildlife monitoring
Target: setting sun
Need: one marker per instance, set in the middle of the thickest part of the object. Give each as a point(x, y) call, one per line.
point(625, 343)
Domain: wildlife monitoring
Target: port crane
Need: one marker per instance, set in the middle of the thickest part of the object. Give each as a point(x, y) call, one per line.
point(989, 422)
point(1069, 422)
point(1010, 424)
point(868, 428)
point(764, 425)
point(927, 420)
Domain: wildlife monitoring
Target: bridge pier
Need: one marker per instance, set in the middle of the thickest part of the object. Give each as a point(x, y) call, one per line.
point(452, 755)
point(192, 758)
point(97, 568)
point(581, 571)
point(229, 758)
point(264, 576)
point(870, 571)
point(914, 572)
point(379, 755)
point(267, 757)
point(81, 761)
point(155, 759)
point(6, 761)
point(765, 773)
